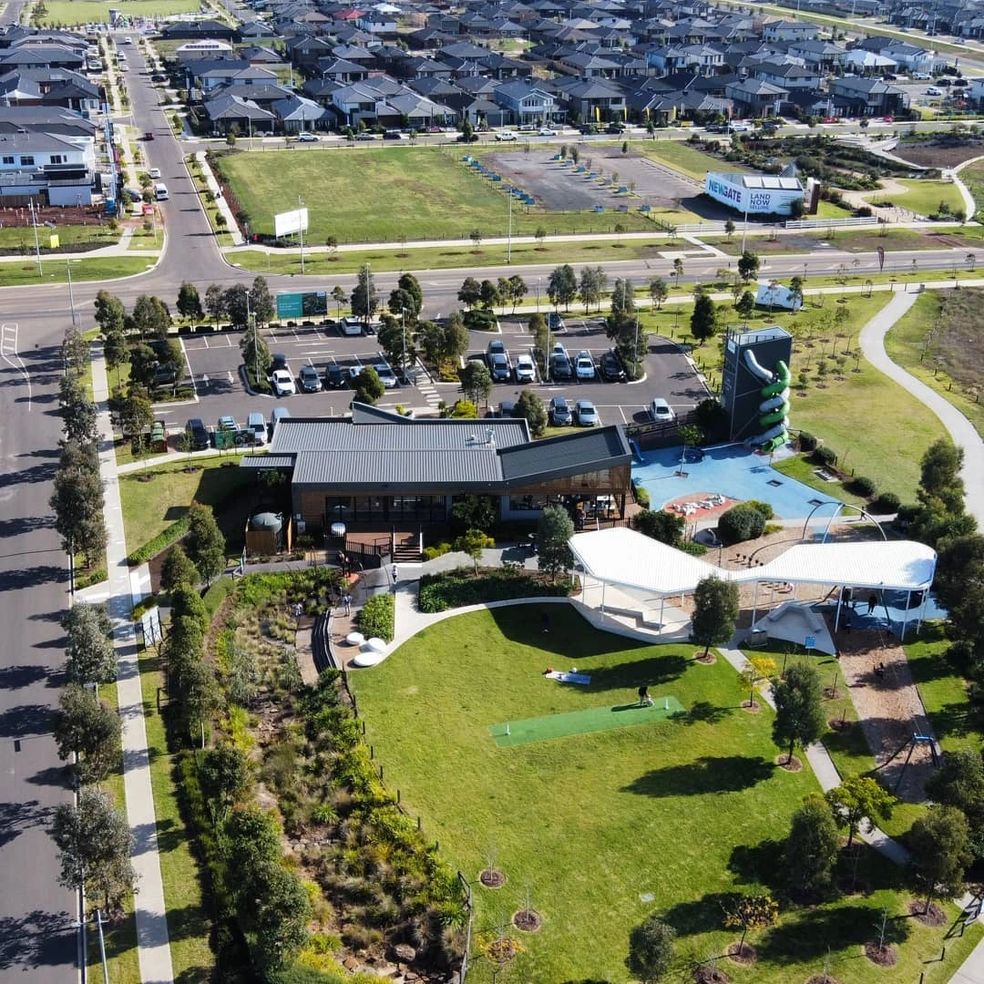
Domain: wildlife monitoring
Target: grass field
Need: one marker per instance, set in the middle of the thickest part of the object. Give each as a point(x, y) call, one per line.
point(55, 271)
point(922, 196)
point(596, 831)
point(22, 237)
point(387, 194)
point(686, 159)
point(152, 504)
point(907, 344)
point(69, 12)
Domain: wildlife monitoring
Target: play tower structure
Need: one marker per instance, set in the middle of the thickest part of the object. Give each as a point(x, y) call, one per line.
point(755, 386)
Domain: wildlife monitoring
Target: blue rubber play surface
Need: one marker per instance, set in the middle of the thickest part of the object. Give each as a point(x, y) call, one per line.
point(731, 470)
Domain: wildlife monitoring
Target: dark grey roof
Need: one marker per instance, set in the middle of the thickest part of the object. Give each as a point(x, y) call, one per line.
point(476, 467)
point(266, 461)
point(588, 450)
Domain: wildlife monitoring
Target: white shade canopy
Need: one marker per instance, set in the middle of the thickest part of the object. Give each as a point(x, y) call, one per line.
point(630, 559)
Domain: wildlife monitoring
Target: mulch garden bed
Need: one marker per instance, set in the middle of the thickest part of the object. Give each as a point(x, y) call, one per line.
point(742, 953)
point(932, 915)
point(710, 975)
point(751, 707)
point(788, 764)
point(709, 660)
point(884, 956)
point(822, 979)
point(527, 920)
point(492, 878)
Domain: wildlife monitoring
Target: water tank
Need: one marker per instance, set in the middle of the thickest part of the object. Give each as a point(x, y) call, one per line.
point(266, 521)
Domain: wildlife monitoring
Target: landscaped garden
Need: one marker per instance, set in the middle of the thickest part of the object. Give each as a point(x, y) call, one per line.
point(596, 831)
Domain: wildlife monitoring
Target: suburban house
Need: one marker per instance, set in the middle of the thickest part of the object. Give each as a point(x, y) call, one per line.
point(871, 97)
point(39, 165)
point(789, 30)
point(378, 469)
point(527, 102)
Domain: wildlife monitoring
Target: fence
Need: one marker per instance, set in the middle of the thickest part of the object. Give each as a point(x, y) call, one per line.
point(859, 220)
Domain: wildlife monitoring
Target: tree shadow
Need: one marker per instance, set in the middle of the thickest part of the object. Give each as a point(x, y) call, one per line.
point(38, 939)
point(30, 577)
point(703, 915)
point(653, 671)
point(18, 817)
point(24, 524)
point(707, 774)
point(758, 864)
point(28, 719)
point(55, 775)
point(702, 712)
point(21, 675)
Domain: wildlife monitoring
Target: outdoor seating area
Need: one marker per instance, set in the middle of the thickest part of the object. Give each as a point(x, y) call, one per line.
point(692, 507)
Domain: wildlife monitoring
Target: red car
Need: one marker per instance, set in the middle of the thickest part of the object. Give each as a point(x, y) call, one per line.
point(830, 119)
point(888, 119)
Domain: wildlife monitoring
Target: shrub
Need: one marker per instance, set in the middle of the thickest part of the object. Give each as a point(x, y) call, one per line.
point(479, 319)
point(376, 617)
point(641, 496)
point(862, 486)
point(807, 441)
point(741, 522)
point(453, 589)
point(825, 456)
point(763, 507)
point(438, 550)
point(886, 503)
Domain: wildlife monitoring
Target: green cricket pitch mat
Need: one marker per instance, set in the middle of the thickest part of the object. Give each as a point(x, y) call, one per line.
point(583, 722)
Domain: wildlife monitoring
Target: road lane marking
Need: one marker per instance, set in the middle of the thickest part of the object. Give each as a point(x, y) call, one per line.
point(8, 352)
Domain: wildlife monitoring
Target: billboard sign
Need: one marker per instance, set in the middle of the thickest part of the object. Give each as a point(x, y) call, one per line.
point(311, 304)
point(289, 223)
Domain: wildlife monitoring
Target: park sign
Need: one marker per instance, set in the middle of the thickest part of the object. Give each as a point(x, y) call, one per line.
point(310, 304)
point(289, 223)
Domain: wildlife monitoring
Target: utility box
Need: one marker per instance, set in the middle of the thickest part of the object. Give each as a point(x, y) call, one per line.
point(755, 386)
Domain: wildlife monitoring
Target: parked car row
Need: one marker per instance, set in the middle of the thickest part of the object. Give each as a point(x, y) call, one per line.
point(229, 433)
point(563, 412)
point(335, 376)
point(562, 367)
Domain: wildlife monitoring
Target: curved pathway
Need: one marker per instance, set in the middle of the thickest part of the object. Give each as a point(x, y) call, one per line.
point(962, 432)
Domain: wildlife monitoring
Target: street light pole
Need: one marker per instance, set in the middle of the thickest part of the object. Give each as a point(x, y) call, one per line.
point(509, 237)
point(300, 229)
point(37, 242)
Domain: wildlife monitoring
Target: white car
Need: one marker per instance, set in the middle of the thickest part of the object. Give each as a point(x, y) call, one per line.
point(545, 131)
point(933, 91)
point(584, 367)
point(155, 172)
point(524, 369)
point(738, 127)
point(283, 383)
point(506, 135)
point(386, 375)
point(127, 41)
point(306, 136)
point(661, 411)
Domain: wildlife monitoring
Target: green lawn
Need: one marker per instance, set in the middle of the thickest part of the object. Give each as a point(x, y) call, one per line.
point(688, 160)
point(905, 344)
point(69, 12)
point(801, 468)
point(55, 272)
point(923, 196)
point(94, 235)
point(154, 499)
point(386, 194)
point(596, 831)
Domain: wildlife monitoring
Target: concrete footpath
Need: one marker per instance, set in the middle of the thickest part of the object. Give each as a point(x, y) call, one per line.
point(153, 943)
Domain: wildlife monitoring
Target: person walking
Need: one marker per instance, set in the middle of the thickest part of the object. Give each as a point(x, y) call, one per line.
point(644, 699)
point(347, 602)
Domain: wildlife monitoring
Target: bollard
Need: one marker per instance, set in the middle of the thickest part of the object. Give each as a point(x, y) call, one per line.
point(419, 826)
point(397, 797)
point(380, 773)
point(372, 753)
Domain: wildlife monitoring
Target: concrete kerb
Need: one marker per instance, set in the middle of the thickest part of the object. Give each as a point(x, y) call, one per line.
point(215, 188)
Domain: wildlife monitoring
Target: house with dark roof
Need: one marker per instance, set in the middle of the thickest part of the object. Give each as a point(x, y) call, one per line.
point(378, 469)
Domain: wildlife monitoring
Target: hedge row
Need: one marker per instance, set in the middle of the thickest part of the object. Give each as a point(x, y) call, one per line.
point(454, 589)
point(162, 541)
point(377, 617)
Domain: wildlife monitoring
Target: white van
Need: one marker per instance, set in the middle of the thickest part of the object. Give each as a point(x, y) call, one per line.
point(161, 192)
point(154, 172)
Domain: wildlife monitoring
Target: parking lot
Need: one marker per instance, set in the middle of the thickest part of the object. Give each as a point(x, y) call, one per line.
point(214, 365)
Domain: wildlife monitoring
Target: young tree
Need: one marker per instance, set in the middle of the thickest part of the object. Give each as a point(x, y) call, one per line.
point(476, 382)
point(215, 302)
point(136, 413)
point(365, 297)
point(703, 319)
point(472, 542)
point(939, 849)
point(178, 568)
point(748, 265)
point(110, 313)
point(729, 228)
point(236, 305)
point(677, 270)
point(489, 294)
point(75, 351)
point(810, 851)
point(623, 309)
point(746, 304)
point(796, 290)
point(751, 912)
point(518, 289)
point(261, 301)
point(856, 801)
point(456, 340)
point(799, 711)
point(541, 337)
point(470, 292)
point(256, 357)
point(589, 289)
point(562, 286)
point(94, 844)
point(368, 386)
point(960, 783)
point(651, 950)
point(151, 317)
point(658, 291)
point(532, 408)
point(715, 612)
point(339, 297)
point(86, 726)
point(225, 774)
point(206, 545)
point(189, 303)
point(554, 530)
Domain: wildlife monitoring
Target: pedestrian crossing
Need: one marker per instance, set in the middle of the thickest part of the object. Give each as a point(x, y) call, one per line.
point(429, 392)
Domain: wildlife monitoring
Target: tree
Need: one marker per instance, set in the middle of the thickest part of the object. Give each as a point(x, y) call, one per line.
point(476, 237)
point(562, 286)
point(489, 295)
point(75, 351)
point(729, 228)
point(940, 475)
point(746, 304)
point(186, 602)
point(554, 530)
point(856, 800)
point(664, 526)
point(77, 500)
point(339, 297)
point(189, 303)
point(94, 844)
point(651, 949)
point(470, 292)
point(256, 357)
point(518, 289)
point(236, 305)
point(796, 291)
point(89, 647)
point(677, 270)
point(748, 265)
point(215, 302)
point(409, 283)
point(799, 712)
point(750, 912)
point(178, 568)
point(474, 512)
point(589, 287)
point(658, 291)
point(476, 382)
point(810, 851)
point(136, 413)
point(110, 313)
point(115, 349)
point(365, 298)
point(280, 919)
point(396, 340)
point(368, 386)
point(225, 774)
point(467, 132)
point(151, 317)
point(472, 542)
point(623, 307)
point(939, 849)
point(703, 318)
point(715, 612)
point(261, 301)
point(401, 302)
point(86, 726)
point(77, 411)
point(532, 409)
point(206, 545)
point(540, 331)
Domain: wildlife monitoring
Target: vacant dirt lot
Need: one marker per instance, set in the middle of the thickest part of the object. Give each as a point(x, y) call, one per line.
point(941, 154)
point(956, 341)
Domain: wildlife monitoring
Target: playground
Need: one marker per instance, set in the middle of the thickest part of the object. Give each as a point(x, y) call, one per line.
point(596, 829)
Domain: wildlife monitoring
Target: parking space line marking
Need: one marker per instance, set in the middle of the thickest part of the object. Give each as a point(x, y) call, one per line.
point(191, 372)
